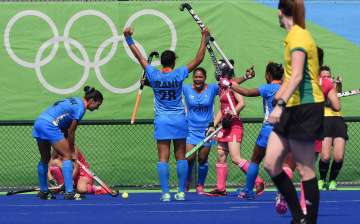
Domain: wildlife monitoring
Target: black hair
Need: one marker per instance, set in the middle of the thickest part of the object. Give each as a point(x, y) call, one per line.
point(92, 93)
point(275, 70)
point(320, 52)
point(167, 58)
point(201, 69)
point(324, 68)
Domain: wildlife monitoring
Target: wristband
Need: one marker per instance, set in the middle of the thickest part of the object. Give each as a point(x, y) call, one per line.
point(129, 40)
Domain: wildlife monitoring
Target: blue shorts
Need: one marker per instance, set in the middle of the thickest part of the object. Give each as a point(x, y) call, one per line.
point(264, 135)
point(44, 130)
point(170, 127)
point(196, 136)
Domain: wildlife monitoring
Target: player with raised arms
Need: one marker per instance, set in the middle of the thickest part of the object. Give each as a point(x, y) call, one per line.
point(50, 129)
point(199, 98)
point(273, 76)
point(230, 137)
point(170, 122)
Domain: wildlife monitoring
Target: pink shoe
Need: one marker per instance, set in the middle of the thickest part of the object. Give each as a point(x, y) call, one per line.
point(200, 189)
point(280, 204)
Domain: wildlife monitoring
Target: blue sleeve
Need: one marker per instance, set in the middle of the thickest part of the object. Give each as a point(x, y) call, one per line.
point(183, 71)
point(78, 112)
point(215, 89)
point(262, 90)
point(150, 72)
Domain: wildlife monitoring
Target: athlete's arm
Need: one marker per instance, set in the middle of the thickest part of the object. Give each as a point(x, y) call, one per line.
point(244, 91)
point(201, 52)
point(334, 100)
point(128, 31)
point(249, 74)
point(297, 65)
point(217, 118)
point(241, 103)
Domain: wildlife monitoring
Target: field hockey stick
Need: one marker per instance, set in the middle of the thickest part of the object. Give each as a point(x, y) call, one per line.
point(231, 103)
point(202, 27)
point(208, 46)
point(349, 93)
point(32, 190)
point(138, 98)
point(200, 144)
point(97, 179)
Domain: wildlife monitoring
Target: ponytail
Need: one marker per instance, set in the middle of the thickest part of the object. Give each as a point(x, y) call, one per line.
point(92, 93)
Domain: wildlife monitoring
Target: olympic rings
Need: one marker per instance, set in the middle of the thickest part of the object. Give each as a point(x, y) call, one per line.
point(85, 61)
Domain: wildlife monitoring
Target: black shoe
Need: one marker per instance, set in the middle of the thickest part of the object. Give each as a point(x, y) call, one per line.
point(216, 192)
point(46, 195)
point(73, 196)
point(301, 221)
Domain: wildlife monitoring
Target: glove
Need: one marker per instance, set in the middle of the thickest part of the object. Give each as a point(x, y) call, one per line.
point(210, 129)
point(250, 73)
point(144, 82)
point(53, 183)
point(226, 122)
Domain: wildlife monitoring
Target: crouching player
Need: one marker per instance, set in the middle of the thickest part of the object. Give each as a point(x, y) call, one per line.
point(83, 182)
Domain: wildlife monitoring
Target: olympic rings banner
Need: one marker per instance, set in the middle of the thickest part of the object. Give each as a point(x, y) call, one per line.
point(52, 50)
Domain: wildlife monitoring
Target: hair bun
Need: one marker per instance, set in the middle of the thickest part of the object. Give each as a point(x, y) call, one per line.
point(89, 89)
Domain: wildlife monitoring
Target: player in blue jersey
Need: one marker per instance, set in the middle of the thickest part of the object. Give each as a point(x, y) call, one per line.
point(199, 99)
point(55, 128)
point(170, 122)
point(273, 75)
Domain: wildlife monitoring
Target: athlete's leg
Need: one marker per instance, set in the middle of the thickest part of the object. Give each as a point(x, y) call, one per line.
point(181, 162)
point(191, 161)
point(276, 151)
point(324, 161)
point(45, 153)
point(304, 155)
point(163, 165)
point(62, 147)
point(202, 168)
point(339, 152)
point(221, 168)
point(253, 171)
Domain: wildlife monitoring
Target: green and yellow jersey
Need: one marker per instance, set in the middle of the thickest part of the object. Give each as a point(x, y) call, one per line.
point(309, 90)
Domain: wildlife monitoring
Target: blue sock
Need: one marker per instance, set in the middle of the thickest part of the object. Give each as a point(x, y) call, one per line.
point(202, 171)
point(251, 176)
point(67, 169)
point(42, 175)
point(182, 170)
point(163, 172)
point(189, 173)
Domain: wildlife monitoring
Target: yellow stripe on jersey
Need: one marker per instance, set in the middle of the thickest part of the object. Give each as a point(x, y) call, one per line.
point(328, 112)
point(309, 90)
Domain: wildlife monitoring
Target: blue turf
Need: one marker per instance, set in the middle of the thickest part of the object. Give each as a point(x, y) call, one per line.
point(336, 207)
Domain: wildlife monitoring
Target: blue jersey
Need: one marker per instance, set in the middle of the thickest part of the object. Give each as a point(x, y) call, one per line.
point(63, 112)
point(167, 89)
point(200, 106)
point(268, 91)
